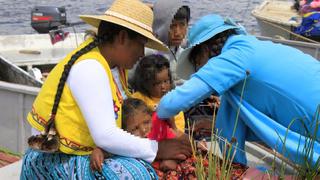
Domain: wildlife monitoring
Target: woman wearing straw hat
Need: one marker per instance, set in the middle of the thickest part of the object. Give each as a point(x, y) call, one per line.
point(268, 85)
point(79, 105)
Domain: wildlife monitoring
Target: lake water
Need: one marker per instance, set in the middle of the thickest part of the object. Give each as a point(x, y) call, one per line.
point(15, 14)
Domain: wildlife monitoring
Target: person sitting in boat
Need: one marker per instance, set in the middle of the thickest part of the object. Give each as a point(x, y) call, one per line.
point(79, 105)
point(310, 13)
point(270, 91)
point(152, 79)
point(310, 26)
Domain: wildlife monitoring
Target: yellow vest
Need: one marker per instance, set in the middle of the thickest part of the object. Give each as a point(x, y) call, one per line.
point(152, 103)
point(74, 134)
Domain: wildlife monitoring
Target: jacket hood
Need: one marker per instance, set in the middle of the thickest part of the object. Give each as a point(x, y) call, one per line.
point(164, 12)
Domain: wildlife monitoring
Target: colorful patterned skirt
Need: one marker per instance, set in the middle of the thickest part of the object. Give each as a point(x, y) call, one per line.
point(39, 165)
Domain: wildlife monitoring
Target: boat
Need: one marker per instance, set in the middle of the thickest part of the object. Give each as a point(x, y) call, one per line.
point(22, 55)
point(18, 90)
point(24, 59)
point(17, 93)
point(277, 18)
point(310, 48)
point(36, 50)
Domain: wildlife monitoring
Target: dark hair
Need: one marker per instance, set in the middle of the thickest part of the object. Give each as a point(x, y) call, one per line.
point(215, 44)
point(145, 74)
point(182, 13)
point(129, 107)
point(296, 5)
point(106, 33)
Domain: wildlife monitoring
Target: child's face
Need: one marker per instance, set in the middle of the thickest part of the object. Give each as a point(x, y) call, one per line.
point(139, 124)
point(177, 32)
point(162, 84)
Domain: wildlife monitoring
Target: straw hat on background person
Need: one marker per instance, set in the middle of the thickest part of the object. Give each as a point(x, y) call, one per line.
point(132, 14)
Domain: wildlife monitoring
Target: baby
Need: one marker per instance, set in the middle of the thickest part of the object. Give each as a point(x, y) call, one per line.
point(137, 120)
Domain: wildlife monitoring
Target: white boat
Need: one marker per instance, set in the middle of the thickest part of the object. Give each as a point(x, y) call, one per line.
point(19, 54)
point(277, 18)
point(36, 50)
point(17, 92)
point(312, 49)
point(20, 89)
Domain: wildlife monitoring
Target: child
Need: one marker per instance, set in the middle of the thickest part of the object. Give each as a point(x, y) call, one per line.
point(152, 79)
point(136, 119)
point(171, 20)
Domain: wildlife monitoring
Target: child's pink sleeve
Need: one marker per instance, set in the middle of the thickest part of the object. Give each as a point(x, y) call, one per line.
point(160, 129)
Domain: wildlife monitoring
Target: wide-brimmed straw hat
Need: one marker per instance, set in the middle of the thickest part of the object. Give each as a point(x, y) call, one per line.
point(204, 29)
point(132, 14)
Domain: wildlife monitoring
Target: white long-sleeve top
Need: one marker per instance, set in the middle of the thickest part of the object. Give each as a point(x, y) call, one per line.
point(89, 85)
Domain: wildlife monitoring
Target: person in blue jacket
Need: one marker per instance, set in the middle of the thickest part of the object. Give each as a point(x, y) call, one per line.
point(275, 87)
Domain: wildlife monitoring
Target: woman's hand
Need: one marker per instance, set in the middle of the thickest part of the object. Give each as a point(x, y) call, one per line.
point(213, 101)
point(96, 159)
point(178, 148)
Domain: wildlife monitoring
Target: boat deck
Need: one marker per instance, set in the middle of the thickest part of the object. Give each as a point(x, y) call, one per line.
point(280, 12)
point(31, 57)
point(36, 49)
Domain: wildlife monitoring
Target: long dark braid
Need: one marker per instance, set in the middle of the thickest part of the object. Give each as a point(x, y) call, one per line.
point(48, 141)
point(67, 69)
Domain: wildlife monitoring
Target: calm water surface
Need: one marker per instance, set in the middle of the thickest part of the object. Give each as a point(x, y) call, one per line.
point(15, 14)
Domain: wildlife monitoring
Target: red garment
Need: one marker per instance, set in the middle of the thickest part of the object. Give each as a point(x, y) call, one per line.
point(160, 129)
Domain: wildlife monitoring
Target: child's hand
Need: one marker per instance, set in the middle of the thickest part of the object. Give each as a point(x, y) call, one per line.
point(96, 159)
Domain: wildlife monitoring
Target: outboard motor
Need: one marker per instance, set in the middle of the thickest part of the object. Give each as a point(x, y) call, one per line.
point(46, 18)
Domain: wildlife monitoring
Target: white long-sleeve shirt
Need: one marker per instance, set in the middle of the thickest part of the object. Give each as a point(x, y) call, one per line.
point(89, 85)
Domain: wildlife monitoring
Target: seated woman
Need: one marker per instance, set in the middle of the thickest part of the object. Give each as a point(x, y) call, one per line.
point(152, 79)
point(79, 105)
